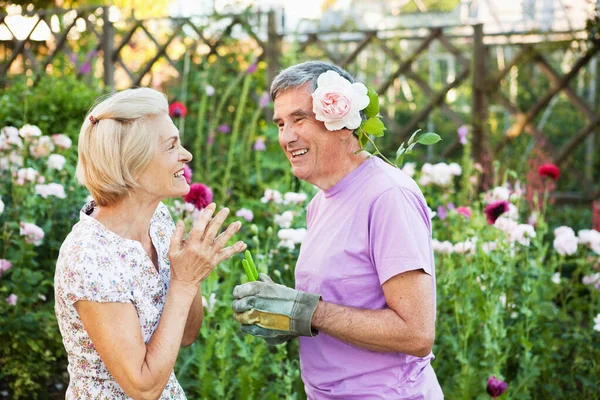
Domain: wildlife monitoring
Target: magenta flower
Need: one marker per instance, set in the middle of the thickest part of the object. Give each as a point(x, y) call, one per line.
point(265, 99)
point(252, 68)
point(200, 195)
point(85, 68)
point(259, 145)
point(224, 128)
point(466, 211)
point(177, 110)
point(494, 210)
point(12, 299)
point(187, 173)
point(495, 387)
point(462, 134)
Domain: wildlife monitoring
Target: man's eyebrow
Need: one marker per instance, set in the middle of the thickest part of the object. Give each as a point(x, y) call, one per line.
point(296, 113)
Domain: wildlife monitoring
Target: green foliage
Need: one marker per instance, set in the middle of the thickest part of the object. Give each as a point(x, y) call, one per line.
point(55, 105)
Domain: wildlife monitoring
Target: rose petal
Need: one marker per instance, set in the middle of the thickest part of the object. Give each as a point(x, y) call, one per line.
point(335, 125)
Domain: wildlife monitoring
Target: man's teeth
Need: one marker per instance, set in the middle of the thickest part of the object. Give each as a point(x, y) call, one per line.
point(299, 152)
point(178, 174)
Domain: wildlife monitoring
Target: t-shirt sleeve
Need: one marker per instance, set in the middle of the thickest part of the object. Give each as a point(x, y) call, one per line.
point(399, 234)
point(93, 276)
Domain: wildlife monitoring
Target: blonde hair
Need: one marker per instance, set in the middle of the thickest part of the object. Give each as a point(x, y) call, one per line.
point(116, 143)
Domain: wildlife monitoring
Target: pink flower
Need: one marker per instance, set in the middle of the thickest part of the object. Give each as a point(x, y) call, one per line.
point(337, 102)
point(462, 134)
point(5, 265)
point(248, 215)
point(12, 299)
point(442, 213)
point(252, 68)
point(264, 100)
point(33, 233)
point(224, 128)
point(200, 195)
point(259, 145)
point(495, 387)
point(494, 210)
point(187, 173)
point(62, 141)
point(466, 211)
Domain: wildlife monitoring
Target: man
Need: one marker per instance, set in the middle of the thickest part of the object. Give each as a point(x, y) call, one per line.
point(364, 303)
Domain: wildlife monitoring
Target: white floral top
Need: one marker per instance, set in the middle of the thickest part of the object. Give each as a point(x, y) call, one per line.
point(96, 264)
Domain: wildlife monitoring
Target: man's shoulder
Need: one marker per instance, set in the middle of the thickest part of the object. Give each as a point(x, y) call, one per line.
point(384, 177)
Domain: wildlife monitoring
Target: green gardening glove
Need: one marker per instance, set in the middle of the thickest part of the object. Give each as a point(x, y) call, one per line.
point(274, 312)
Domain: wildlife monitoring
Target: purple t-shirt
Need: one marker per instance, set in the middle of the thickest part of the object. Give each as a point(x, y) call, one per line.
point(370, 226)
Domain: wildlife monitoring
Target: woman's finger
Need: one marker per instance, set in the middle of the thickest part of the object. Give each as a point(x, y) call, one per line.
point(214, 226)
point(229, 251)
point(201, 222)
point(224, 237)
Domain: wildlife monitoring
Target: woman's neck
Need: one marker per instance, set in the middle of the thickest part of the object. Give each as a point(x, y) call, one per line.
point(130, 218)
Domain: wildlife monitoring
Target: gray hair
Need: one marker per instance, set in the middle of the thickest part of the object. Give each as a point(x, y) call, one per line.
point(297, 75)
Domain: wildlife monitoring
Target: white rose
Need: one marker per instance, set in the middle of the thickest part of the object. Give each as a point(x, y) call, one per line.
point(565, 245)
point(29, 131)
point(337, 102)
point(564, 230)
point(62, 141)
point(409, 169)
point(56, 161)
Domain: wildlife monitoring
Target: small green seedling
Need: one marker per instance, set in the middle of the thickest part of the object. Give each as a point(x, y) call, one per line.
point(250, 267)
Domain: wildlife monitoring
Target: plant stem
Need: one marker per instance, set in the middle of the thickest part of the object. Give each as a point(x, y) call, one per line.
point(377, 150)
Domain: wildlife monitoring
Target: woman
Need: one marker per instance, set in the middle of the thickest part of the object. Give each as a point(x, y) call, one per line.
point(127, 283)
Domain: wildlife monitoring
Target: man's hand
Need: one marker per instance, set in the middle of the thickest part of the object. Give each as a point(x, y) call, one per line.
point(274, 312)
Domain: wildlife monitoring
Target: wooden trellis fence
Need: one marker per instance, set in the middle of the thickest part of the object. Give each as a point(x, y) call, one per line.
point(389, 60)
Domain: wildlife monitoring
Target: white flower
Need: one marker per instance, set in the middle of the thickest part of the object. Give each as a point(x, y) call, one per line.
point(209, 90)
point(444, 247)
point(432, 213)
point(565, 244)
point(522, 234)
point(1, 206)
point(51, 189)
point(56, 161)
point(10, 135)
point(12, 299)
point(503, 299)
point(466, 247)
point(337, 102)
point(409, 169)
point(33, 233)
point(556, 278)
point(294, 198)
point(27, 174)
point(62, 141)
point(248, 215)
point(455, 169)
point(272, 195)
point(487, 247)
point(564, 230)
point(441, 174)
point(505, 224)
point(591, 279)
point(16, 159)
point(597, 323)
point(29, 131)
point(290, 237)
point(512, 213)
point(588, 237)
point(42, 147)
point(284, 220)
point(424, 180)
point(500, 193)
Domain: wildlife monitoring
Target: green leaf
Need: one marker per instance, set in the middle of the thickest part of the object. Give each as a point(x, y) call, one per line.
point(373, 107)
point(429, 138)
point(400, 150)
point(363, 139)
point(413, 136)
point(374, 126)
point(409, 150)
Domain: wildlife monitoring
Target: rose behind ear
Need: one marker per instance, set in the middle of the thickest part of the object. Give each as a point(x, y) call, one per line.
point(338, 103)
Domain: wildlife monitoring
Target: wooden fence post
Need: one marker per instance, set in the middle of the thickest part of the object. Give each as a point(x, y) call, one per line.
point(108, 46)
point(479, 116)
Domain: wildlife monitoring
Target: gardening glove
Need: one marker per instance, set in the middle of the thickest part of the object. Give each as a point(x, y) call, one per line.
point(272, 311)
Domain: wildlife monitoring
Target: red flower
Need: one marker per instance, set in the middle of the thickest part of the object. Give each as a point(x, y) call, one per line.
point(549, 170)
point(177, 110)
point(495, 387)
point(494, 210)
point(200, 195)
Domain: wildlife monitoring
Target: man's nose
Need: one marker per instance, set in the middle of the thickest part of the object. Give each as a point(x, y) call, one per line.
point(288, 134)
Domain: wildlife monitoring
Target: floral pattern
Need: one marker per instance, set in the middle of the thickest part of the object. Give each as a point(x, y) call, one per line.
point(95, 264)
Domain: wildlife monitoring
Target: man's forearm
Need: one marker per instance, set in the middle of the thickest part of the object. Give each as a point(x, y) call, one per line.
point(194, 320)
point(376, 330)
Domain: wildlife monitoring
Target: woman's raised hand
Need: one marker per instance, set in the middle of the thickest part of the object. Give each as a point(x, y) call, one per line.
point(193, 258)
